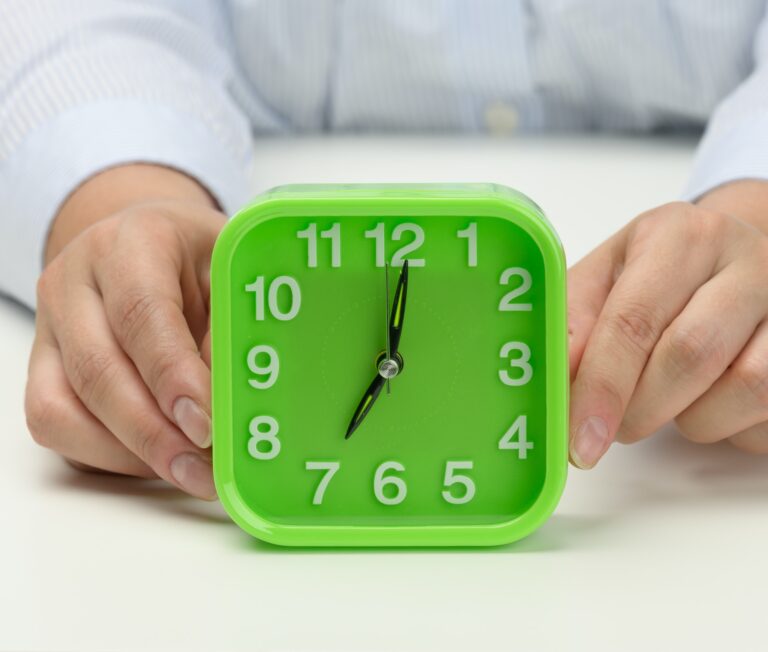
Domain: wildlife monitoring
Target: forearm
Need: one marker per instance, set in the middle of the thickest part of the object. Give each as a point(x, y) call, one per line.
point(746, 200)
point(115, 189)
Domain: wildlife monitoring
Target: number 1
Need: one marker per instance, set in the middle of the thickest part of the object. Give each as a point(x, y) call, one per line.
point(333, 234)
point(470, 233)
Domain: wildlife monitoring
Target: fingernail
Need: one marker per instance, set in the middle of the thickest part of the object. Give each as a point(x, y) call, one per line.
point(193, 474)
point(193, 421)
point(589, 443)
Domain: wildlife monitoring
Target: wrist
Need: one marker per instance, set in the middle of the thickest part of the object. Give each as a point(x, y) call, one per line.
point(115, 189)
point(746, 200)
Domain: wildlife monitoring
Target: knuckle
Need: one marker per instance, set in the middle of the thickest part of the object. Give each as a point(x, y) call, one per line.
point(43, 415)
point(638, 325)
point(92, 373)
point(45, 288)
point(754, 440)
point(752, 376)
point(134, 311)
point(706, 224)
point(691, 350)
point(147, 438)
point(600, 384)
point(690, 431)
point(762, 254)
point(101, 236)
point(164, 370)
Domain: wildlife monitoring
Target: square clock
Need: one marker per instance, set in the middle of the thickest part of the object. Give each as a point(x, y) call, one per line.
point(389, 366)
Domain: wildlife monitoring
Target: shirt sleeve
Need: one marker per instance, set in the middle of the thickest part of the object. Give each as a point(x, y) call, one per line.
point(90, 84)
point(735, 144)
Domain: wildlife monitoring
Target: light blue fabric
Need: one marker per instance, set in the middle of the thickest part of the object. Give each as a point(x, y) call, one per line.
point(87, 84)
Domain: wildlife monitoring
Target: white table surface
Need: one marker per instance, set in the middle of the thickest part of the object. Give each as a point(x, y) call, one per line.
point(664, 546)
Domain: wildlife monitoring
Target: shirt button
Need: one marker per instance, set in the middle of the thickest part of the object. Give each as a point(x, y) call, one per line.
point(501, 118)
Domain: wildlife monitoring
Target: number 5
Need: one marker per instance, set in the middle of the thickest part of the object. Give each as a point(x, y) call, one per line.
point(452, 478)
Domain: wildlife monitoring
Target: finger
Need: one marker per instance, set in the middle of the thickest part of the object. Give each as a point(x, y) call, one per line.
point(151, 297)
point(110, 387)
point(58, 420)
point(641, 304)
point(695, 350)
point(737, 401)
point(589, 282)
point(752, 440)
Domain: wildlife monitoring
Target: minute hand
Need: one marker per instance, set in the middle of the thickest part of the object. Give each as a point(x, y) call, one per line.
point(397, 315)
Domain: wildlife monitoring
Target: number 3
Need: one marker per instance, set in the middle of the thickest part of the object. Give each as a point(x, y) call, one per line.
point(522, 363)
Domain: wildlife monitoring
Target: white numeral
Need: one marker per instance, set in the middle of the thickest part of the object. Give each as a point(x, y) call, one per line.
point(470, 233)
point(380, 481)
point(452, 478)
point(418, 240)
point(330, 468)
point(506, 304)
point(522, 445)
point(333, 234)
point(258, 435)
point(398, 257)
point(522, 363)
point(271, 369)
point(257, 287)
point(378, 233)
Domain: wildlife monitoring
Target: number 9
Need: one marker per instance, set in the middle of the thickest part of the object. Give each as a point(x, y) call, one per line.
point(271, 370)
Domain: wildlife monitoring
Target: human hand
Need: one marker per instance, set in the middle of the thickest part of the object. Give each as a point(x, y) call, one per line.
point(118, 376)
point(667, 320)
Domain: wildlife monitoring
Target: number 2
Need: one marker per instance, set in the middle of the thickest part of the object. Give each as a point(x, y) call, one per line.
point(506, 304)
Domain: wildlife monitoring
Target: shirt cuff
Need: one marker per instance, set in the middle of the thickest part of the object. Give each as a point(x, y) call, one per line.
point(741, 153)
point(66, 151)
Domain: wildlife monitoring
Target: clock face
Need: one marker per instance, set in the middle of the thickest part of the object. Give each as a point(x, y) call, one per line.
point(319, 308)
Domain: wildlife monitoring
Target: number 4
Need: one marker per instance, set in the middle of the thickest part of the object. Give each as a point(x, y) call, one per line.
point(519, 428)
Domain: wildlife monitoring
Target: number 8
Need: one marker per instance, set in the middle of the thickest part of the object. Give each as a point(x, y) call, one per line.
point(269, 435)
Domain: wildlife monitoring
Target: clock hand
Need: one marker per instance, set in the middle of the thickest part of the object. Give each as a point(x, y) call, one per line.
point(390, 363)
point(369, 398)
point(398, 313)
point(387, 318)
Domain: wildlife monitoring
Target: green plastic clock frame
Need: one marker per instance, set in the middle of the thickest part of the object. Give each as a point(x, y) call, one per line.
point(302, 377)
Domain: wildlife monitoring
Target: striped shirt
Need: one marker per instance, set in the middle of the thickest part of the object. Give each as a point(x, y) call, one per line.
point(88, 84)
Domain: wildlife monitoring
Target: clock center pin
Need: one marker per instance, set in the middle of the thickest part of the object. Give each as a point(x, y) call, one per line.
point(389, 368)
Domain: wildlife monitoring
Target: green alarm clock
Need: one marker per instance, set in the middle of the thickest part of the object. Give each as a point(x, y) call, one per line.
point(389, 366)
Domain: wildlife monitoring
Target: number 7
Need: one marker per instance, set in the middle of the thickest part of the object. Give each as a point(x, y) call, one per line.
point(330, 469)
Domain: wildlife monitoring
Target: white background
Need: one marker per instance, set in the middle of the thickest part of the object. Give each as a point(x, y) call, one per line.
point(663, 546)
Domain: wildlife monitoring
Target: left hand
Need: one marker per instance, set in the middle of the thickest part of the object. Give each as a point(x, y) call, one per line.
point(667, 320)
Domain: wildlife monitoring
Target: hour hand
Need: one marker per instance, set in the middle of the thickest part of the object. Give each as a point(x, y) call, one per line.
point(397, 314)
point(369, 398)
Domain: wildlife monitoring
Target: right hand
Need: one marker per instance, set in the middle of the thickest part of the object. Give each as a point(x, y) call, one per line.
point(119, 376)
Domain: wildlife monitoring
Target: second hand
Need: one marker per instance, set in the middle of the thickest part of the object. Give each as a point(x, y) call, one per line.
point(386, 316)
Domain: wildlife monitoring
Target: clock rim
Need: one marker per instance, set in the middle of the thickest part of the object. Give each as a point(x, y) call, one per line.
point(325, 200)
